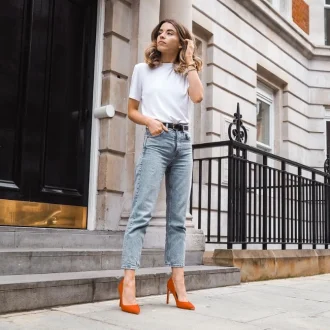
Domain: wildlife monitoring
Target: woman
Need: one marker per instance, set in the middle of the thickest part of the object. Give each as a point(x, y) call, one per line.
point(165, 85)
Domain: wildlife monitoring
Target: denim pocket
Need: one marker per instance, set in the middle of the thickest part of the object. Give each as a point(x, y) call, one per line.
point(154, 136)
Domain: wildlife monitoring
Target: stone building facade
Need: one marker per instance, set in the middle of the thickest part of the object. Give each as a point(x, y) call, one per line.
point(68, 150)
point(271, 56)
point(268, 55)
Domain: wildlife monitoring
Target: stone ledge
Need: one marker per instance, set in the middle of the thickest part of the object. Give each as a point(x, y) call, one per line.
point(257, 265)
point(37, 291)
point(43, 261)
point(52, 238)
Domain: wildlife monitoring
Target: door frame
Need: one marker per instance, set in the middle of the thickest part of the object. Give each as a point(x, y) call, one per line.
point(95, 130)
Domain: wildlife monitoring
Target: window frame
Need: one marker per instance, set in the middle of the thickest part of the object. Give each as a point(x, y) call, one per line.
point(266, 94)
point(327, 138)
point(326, 119)
point(326, 34)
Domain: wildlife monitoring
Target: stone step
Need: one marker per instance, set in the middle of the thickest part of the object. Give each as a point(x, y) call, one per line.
point(43, 238)
point(28, 292)
point(43, 261)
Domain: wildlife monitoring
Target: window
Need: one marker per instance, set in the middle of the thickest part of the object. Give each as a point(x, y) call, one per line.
point(265, 121)
point(265, 126)
point(327, 22)
point(263, 117)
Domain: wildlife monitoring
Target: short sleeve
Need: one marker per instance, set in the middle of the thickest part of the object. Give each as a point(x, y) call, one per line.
point(136, 85)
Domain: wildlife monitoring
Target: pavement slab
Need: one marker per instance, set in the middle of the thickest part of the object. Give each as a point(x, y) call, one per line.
point(286, 304)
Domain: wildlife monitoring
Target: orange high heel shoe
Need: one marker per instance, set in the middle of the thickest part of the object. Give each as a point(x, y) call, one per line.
point(133, 309)
point(179, 304)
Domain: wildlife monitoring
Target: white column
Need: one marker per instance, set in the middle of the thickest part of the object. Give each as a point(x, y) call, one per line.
point(150, 11)
point(145, 19)
point(148, 19)
point(180, 10)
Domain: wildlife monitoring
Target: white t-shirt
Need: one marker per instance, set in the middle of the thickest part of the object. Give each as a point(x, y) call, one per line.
point(163, 93)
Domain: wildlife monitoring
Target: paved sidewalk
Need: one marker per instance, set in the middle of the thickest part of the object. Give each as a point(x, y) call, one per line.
point(292, 304)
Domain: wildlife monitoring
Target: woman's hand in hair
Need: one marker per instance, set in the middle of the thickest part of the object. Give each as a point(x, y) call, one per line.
point(190, 48)
point(195, 89)
point(155, 126)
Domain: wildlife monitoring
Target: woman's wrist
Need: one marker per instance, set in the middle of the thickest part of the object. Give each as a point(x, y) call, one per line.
point(146, 122)
point(190, 60)
point(193, 69)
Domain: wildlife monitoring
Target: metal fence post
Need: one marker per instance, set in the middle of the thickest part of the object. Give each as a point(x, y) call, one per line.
point(300, 213)
point(243, 199)
point(327, 210)
point(314, 215)
point(264, 204)
point(283, 169)
point(231, 192)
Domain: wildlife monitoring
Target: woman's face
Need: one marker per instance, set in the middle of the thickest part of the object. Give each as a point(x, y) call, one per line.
point(168, 39)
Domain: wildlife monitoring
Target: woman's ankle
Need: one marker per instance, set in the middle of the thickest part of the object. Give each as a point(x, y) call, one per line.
point(177, 274)
point(129, 275)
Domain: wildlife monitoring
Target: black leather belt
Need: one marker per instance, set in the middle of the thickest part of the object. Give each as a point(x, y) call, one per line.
point(178, 127)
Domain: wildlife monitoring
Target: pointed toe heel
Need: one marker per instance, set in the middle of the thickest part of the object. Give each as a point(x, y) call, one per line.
point(133, 309)
point(180, 304)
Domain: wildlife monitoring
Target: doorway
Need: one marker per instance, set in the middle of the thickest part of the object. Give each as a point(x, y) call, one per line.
point(46, 80)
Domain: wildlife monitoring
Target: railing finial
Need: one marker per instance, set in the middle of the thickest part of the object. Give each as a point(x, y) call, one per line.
point(238, 133)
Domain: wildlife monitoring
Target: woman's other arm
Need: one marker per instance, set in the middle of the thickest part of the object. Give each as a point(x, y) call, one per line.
point(155, 127)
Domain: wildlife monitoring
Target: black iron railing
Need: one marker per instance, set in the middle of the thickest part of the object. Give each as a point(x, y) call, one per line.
point(243, 196)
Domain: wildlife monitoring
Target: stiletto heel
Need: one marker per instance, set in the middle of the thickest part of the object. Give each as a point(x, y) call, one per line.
point(179, 304)
point(133, 309)
point(168, 296)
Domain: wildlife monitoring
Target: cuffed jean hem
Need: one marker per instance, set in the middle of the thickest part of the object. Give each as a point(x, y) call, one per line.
point(130, 267)
point(174, 265)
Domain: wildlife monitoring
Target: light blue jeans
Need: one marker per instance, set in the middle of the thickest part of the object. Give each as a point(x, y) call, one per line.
point(169, 153)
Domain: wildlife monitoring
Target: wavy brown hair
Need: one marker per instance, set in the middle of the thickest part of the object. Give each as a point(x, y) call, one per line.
point(152, 55)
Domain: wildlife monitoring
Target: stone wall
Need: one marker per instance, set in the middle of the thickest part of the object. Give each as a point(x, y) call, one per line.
point(316, 24)
point(245, 49)
point(271, 264)
point(241, 42)
point(112, 180)
point(250, 42)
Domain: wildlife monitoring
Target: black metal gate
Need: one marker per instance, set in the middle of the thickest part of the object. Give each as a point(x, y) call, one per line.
point(247, 196)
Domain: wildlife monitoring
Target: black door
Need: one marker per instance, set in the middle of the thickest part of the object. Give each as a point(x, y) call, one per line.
point(46, 77)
